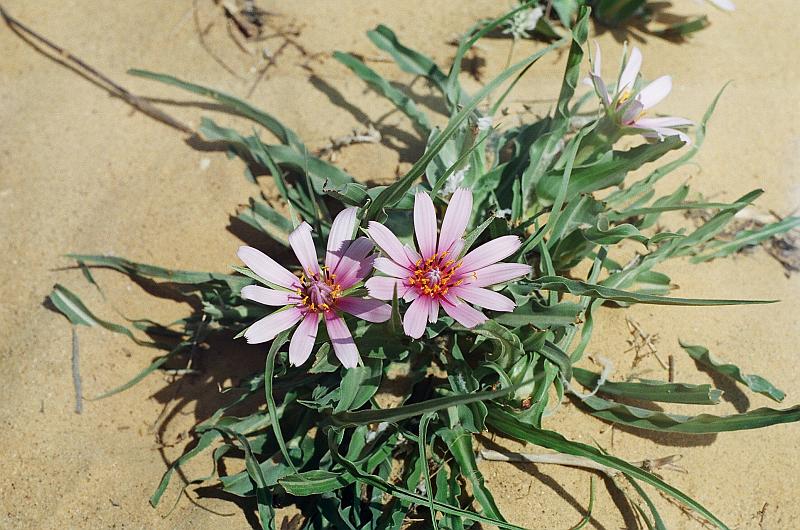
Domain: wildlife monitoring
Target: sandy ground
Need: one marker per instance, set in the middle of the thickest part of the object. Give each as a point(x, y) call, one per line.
point(79, 171)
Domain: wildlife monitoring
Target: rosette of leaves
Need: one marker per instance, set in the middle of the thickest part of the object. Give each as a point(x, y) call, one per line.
point(317, 435)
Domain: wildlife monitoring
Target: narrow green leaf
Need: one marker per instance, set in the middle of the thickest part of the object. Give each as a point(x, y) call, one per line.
point(505, 422)
point(284, 134)
point(382, 86)
point(756, 383)
point(651, 390)
point(579, 288)
point(701, 424)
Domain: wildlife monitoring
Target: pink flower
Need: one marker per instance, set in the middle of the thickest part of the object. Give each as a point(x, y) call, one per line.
point(627, 106)
point(319, 292)
point(437, 274)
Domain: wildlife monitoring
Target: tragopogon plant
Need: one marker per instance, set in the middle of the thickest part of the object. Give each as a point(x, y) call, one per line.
point(522, 208)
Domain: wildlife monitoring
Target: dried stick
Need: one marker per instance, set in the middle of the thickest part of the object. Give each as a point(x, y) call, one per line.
point(76, 373)
point(135, 101)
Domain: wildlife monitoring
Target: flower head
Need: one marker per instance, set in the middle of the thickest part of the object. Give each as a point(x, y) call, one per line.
point(437, 275)
point(627, 105)
point(318, 293)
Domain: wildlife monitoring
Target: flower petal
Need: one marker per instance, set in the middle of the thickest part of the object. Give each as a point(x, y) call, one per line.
point(340, 236)
point(631, 112)
point(628, 76)
point(303, 246)
point(455, 219)
point(367, 309)
point(267, 328)
point(489, 253)
point(433, 312)
point(382, 287)
point(464, 314)
point(391, 268)
point(303, 339)
point(417, 316)
point(663, 132)
point(497, 273)
point(596, 77)
point(425, 224)
point(355, 264)
point(653, 93)
point(267, 267)
point(483, 298)
point(725, 5)
point(388, 243)
point(341, 339)
point(265, 296)
point(667, 121)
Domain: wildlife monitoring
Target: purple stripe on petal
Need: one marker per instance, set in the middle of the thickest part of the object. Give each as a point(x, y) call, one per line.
point(265, 296)
point(382, 287)
point(303, 245)
point(464, 314)
point(341, 339)
point(267, 267)
point(355, 264)
point(483, 298)
point(489, 253)
point(455, 219)
point(340, 236)
point(425, 224)
point(388, 243)
point(387, 266)
point(497, 273)
point(267, 328)
point(303, 339)
point(653, 93)
point(417, 316)
point(367, 309)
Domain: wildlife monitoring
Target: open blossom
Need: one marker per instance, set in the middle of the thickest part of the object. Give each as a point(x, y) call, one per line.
point(437, 275)
point(628, 106)
point(318, 294)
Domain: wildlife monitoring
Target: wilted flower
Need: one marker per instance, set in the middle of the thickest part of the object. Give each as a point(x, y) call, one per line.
point(318, 293)
point(627, 105)
point(437, 274)
point(524, 21)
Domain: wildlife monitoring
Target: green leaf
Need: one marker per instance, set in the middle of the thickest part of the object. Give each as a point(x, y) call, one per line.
point(756, 383)
point(407, 495)
point(579, 288)
point(651, 390)
point(701, 424)
point(459, 442)
point(74, 309)
point(269, 369)
point(408, 60)
point(365, 417)
point(382, 86)
point(605, 173)
point(534, 314)
point(544, 149)
point(264, 218)
point(284, 134)
point(747, 238)
point(359, 384)
point(313, 482)
point(234, 282)
point(506, 423)
point(393, 193)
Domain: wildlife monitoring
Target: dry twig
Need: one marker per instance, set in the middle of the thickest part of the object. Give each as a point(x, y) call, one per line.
point(642, 343)
point(94, 75)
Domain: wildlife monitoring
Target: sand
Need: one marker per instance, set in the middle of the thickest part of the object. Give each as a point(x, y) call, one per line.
point(79, 171)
